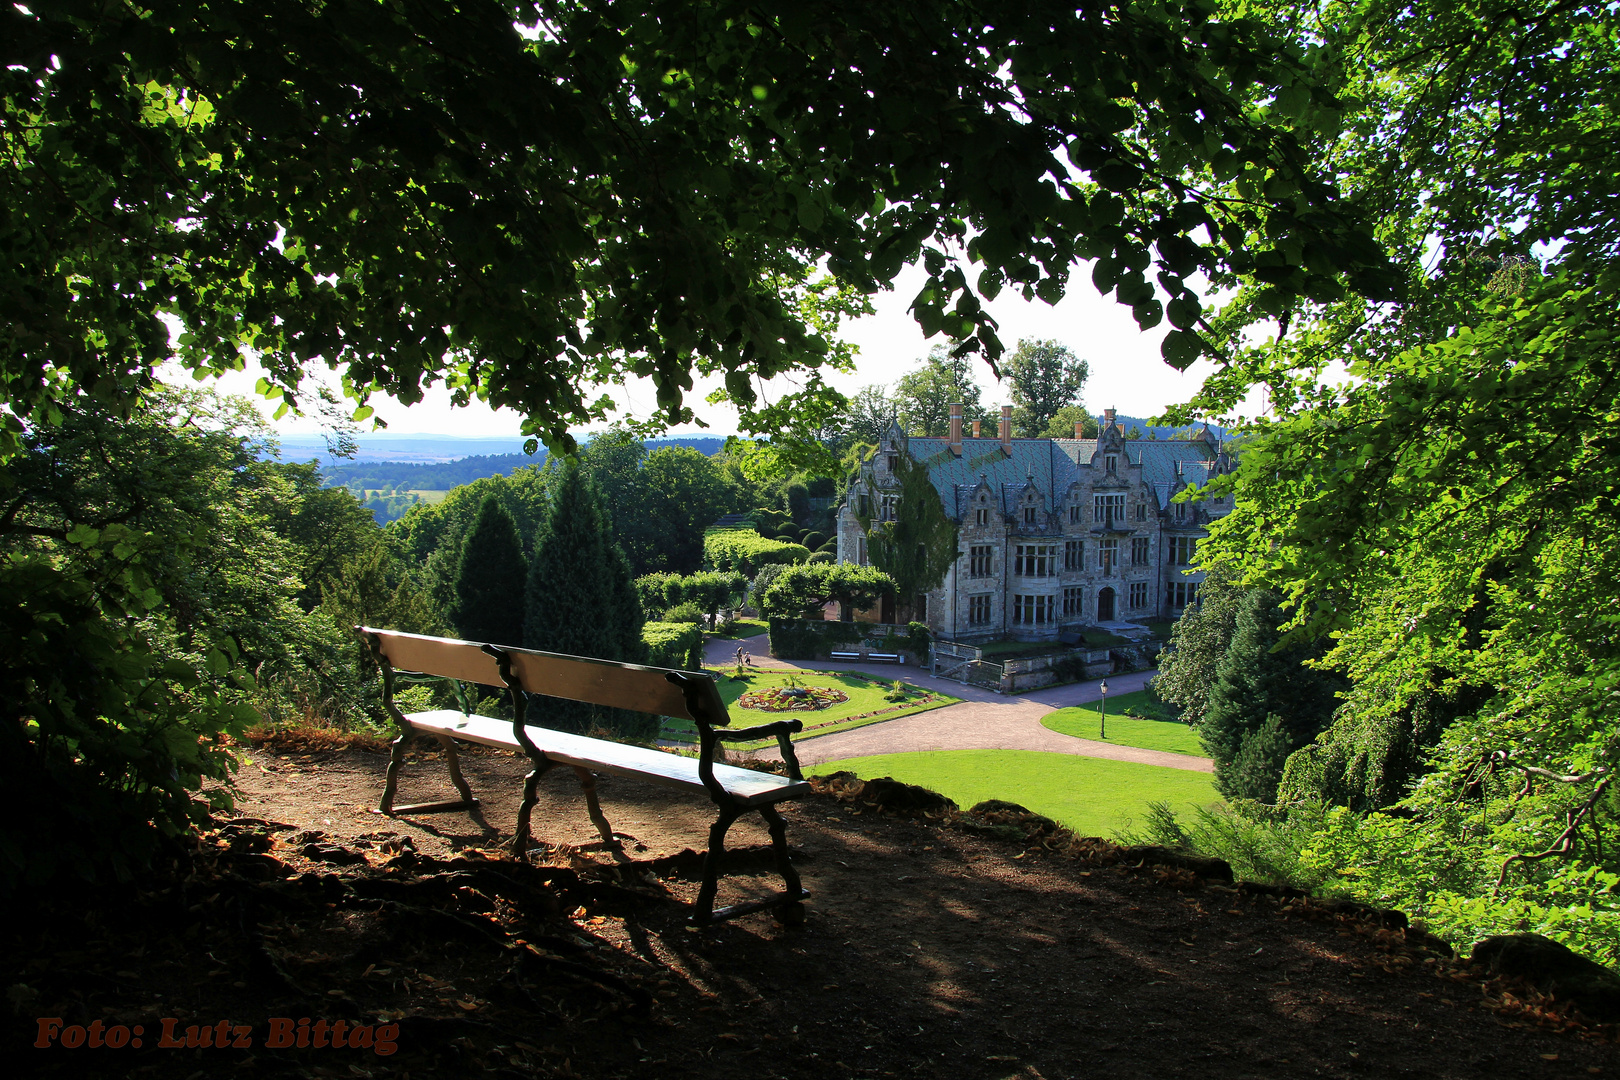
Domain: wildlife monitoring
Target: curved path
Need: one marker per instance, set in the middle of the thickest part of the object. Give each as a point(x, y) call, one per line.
point(986, 720)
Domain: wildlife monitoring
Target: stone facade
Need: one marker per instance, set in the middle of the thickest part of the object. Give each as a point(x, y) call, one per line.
point(1052, 532)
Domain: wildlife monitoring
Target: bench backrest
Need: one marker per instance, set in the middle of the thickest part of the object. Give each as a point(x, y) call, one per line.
point(576, 678)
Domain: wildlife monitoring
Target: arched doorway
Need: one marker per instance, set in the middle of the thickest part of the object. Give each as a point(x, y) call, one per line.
point(1105, 606)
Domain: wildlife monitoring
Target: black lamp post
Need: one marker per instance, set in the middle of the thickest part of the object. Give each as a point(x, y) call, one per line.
point(1102, 731)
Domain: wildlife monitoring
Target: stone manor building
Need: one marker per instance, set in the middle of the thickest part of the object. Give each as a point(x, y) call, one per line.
point(1052, 532)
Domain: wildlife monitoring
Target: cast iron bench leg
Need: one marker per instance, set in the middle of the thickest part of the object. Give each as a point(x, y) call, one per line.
point(396, 758)
point(587, 781)
point(703, 910)
point(792, 912)
point(454, 761)
point(531, 791)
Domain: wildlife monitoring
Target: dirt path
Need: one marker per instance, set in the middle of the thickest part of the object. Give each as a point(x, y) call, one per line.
point(986, 720)
point(930, 952)
point(973, 725)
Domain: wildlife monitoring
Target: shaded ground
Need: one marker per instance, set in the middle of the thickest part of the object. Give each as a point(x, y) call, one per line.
point(932, 950)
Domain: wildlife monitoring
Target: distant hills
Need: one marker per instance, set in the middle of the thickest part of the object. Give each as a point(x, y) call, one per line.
point(1157, 431)
point(388, 466)
point(390, 462)
point(387, 446)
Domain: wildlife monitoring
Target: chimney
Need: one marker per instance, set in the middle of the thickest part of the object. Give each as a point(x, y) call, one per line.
point(1006, 428)
point(1079, 429)
point(956, 428)
point(1108, 415)
point(976, 429)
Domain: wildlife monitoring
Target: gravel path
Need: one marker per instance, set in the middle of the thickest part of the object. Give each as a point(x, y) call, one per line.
point(986, 720)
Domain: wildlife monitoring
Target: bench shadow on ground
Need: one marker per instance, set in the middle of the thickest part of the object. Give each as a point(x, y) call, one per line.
point(934, 952)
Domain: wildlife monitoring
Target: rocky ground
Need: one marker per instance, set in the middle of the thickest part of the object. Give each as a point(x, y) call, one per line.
point(937, 944)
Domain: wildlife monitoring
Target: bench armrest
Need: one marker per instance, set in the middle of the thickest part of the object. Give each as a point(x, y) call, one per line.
point(782, 729)
point(776, 727)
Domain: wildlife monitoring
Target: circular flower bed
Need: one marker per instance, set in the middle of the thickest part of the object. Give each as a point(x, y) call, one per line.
point(792, 698)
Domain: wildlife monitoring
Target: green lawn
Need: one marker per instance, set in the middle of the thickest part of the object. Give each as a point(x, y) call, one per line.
point(1161, 628)
point(431, 496)
point(744, 628)
point(1082, 721)
point(865, 699)
point(1092, 796)
point(1019, 650)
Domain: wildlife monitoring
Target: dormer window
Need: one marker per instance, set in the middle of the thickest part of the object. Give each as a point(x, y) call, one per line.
point(894, 463)
point(1029, 515)
point(1111, 462)
point(983, 516)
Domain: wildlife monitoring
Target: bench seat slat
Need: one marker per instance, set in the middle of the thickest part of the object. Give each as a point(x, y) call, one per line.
point(617, 759)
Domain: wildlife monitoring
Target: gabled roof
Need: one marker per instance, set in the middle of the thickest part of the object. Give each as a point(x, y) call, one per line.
point(1052, 465)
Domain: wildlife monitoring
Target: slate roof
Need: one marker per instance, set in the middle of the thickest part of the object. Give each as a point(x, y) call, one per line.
point(1052, 465)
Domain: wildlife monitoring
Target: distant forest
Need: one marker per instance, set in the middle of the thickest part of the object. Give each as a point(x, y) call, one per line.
point(413, 476)
point(416, 476)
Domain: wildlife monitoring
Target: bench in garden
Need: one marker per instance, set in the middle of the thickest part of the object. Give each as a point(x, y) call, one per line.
point(840, 655)
point(521, 672)
point(884, 657)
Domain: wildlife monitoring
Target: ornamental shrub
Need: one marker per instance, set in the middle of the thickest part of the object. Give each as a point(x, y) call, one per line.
point(673, 645)
point(683, 613)
point(745, 551)
point(658, 591)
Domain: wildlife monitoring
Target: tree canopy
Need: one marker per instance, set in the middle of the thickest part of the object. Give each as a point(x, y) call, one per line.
point(797, 589)
point(1446, 517)
point(924, 395)
point(1044, 378)
point(526, 200)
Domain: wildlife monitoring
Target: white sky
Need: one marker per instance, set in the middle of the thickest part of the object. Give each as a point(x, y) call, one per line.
point(1126, 371)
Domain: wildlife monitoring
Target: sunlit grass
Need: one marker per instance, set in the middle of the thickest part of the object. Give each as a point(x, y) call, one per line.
point(866, 698)
point(1085, 721)
point(1092, 796)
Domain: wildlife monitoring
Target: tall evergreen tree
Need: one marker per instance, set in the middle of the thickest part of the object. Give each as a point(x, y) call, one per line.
point(580, 600)
point(1265, 703)
point(489, 581)
point(1199, 641)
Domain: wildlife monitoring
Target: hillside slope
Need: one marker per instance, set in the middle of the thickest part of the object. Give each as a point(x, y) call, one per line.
point(931, 950)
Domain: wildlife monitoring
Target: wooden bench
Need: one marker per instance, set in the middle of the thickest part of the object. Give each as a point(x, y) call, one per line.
point(884, 657)
point(521, 672)
point(844, 655)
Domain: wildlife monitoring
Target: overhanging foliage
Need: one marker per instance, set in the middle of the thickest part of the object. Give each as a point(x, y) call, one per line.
point(418, 192)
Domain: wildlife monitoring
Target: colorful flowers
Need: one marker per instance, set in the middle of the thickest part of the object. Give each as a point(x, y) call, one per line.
point(792, 698)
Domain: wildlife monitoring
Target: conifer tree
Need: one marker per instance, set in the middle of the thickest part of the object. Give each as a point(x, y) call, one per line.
point(1265, 703)
point(580, 600)
point(489, 581)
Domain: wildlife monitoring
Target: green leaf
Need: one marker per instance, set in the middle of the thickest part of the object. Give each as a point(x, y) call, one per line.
point(1180, 348)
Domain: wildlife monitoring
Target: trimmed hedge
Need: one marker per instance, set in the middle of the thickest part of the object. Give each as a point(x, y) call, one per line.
point(810, 639)
point(673, 645)
point(745, 551)
point(806, 639)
